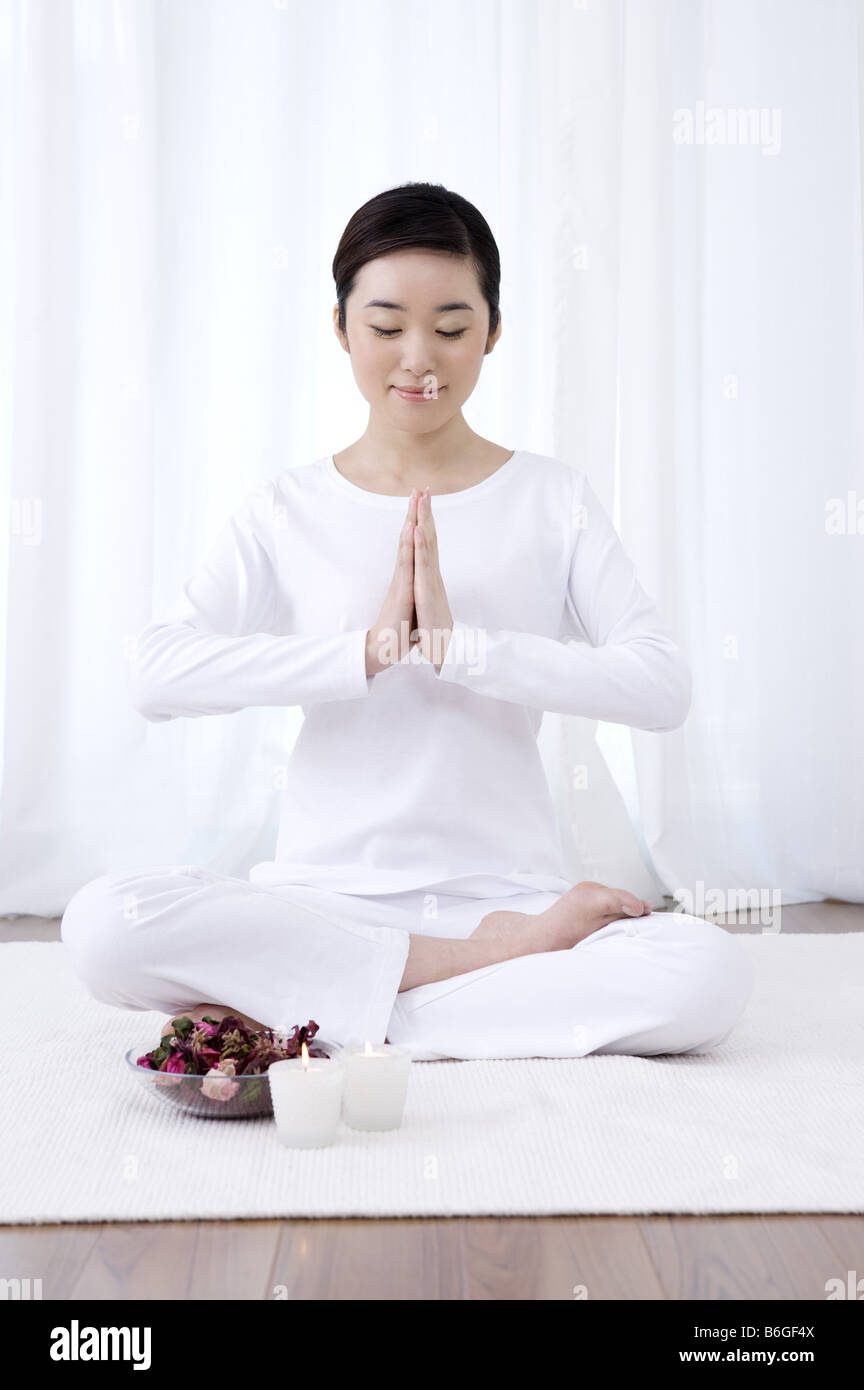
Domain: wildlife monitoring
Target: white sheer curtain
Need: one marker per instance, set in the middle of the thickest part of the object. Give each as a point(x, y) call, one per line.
point(684, 321)
point(741, 334)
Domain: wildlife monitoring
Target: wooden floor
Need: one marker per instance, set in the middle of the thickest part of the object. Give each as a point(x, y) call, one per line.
point(516, 1258)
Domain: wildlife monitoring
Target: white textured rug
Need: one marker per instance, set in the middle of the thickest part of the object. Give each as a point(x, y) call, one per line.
point(772, 1120)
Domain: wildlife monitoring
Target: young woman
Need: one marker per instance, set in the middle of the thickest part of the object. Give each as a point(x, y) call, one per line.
point(415, 594)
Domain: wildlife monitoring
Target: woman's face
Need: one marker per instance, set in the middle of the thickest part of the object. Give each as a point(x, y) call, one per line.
point(410, 338)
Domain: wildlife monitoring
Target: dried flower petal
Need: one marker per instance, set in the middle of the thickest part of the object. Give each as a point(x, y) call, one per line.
point(217, 1084)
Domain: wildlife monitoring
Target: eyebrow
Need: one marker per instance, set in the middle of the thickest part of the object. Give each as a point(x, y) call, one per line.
point(439, 308)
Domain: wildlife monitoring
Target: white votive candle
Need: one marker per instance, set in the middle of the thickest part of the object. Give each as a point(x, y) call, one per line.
point(376, 1083)
point(307, 1099)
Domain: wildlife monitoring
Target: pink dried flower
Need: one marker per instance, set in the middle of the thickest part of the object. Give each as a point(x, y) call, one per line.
point(224, 1050)
point(217, 1083)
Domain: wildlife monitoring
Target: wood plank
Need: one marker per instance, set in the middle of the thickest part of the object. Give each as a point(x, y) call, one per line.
point(828, 916)
point(511, 1258)
point(56, 1254)
point(234, 1259)
point(845, 1235)
point(556, 1258)
point(140, 1259)
point(395, 1259)
point(746, 1257)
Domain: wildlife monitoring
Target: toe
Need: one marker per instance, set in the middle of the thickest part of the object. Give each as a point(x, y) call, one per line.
point(628, 902)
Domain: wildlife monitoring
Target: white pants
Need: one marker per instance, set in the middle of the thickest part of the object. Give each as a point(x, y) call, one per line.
point(170, 937)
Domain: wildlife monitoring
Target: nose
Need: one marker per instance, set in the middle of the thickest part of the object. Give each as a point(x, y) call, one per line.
point(417, 359)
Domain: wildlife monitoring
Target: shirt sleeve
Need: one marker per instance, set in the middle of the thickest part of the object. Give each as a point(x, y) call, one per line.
point(219, 649)
point(623, 668)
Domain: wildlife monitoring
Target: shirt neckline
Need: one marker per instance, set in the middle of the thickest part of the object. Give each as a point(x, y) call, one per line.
point(443, 500)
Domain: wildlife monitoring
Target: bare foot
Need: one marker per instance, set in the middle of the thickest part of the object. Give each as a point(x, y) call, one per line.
point(217, 1011)
point(577, 913)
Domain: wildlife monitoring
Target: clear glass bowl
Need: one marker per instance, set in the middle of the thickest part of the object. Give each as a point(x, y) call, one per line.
point(243, 1098)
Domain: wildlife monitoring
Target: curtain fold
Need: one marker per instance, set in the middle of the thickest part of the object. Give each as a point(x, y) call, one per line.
point(682, 318)
point(741, 434)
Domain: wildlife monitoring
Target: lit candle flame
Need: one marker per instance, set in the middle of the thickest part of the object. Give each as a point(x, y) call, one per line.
point(304, 1053)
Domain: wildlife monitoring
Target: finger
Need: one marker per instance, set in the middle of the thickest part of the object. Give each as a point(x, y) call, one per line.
point(425, 550)
point(428, 518)
point(404, 568)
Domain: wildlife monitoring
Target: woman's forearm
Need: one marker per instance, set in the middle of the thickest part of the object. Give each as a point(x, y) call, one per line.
point(177, 669)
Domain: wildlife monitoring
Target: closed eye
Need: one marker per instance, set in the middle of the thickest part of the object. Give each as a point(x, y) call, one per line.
point(388, 332)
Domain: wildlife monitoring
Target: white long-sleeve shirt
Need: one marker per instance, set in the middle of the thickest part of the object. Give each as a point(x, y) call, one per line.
point(417, 778)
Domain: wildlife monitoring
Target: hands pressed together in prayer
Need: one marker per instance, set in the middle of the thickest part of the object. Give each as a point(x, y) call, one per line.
point(415, 611)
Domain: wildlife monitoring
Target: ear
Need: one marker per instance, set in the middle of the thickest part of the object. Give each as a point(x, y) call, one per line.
point(342, 338)
point(493, 337)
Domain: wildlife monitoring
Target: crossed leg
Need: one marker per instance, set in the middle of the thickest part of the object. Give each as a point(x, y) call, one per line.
point(502, 934)
point(183, 938)
point(656, 984)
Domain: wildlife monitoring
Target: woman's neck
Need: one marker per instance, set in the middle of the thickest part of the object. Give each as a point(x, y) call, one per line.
point(393, 467)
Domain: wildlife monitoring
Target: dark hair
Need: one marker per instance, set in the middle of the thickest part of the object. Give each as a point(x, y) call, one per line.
point(421, 215)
